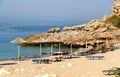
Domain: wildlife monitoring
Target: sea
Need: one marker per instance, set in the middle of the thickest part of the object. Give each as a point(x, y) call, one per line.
point(11, 29)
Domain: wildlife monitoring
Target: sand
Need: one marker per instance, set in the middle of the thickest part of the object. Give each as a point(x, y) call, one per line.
point(77, 67)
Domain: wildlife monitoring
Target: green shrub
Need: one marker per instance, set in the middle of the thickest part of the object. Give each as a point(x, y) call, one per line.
point(114, 20)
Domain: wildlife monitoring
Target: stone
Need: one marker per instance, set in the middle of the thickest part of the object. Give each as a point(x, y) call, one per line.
point(47, 75)
point(116, 8)
point(54, 30)
point(37, 76)
point(105, 17)
point(92, 21)
point(69, 64)
point(102, 29)
point(4, 71)
point(22, 69)
point(112, 27)
point(16, 70)
point(54, 75)
point(10, 69)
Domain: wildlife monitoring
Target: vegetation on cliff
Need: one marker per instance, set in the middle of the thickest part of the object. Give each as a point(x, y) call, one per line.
point(114, 20)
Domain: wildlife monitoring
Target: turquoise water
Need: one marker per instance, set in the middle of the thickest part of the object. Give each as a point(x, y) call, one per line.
point(9, 30)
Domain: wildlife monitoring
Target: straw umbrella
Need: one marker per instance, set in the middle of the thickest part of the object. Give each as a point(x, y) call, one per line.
point(18, 41)
point(70, 40)
point(52, 40)
point(105, 35)
point(116, 36)
point(40, 40)
point(60, 38)
point(86, 37)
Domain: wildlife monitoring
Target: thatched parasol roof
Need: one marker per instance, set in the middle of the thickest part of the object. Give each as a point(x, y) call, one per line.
point(85, 36)
point(52, 39)
point(70, 39)
point(60, 38)
point(19, 40)
point(104, 35)
point(40, 40)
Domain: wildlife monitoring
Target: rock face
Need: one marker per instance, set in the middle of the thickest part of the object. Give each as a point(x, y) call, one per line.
point(79, 34)
point(54, 30)
point(116, 8)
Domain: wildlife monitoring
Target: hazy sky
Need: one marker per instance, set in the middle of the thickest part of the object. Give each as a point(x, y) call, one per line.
point(54, 9)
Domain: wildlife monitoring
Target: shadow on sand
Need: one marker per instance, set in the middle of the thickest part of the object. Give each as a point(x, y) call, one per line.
point(8, 63)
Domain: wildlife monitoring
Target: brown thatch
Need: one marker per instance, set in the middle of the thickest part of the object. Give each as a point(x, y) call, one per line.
point(85, 36)
point(104, 35)
point(52, 39)
point(40, 40)
point(70, 39)
point(19, 40)
point(60, 38)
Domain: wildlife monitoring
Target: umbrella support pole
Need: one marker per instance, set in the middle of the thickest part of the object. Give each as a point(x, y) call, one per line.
point(51, 49)
point(97, 44)
point(86, 45)
point(106, 42)
point(40, 51)
point(18, 52)
point(71, 48)
point(59, 48)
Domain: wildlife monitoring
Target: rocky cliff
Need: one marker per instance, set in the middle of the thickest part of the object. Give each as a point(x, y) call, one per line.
point(79, 34)
point(116, 8)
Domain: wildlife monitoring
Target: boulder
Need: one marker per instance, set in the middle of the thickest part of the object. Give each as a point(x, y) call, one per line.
point(105, 17)
point(111, 27)
point(116, 8)
point(54, 30)
point(74, 28)
point(10, 69)
point(102, 29)
point(66, 29)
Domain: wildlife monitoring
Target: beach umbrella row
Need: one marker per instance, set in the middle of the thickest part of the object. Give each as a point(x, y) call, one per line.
point(51, 39)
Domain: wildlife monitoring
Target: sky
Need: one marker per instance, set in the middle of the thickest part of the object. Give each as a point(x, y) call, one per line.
point(54, 9)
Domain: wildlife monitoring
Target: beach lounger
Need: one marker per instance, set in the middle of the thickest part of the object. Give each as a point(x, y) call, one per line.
point(41, 60)
point(57, 53)
point(94, 57)
point(21, 58)
point(83, 54)
point(66, 56)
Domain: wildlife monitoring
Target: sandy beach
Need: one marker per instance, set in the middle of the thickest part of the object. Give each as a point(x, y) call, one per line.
point(76, 67)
